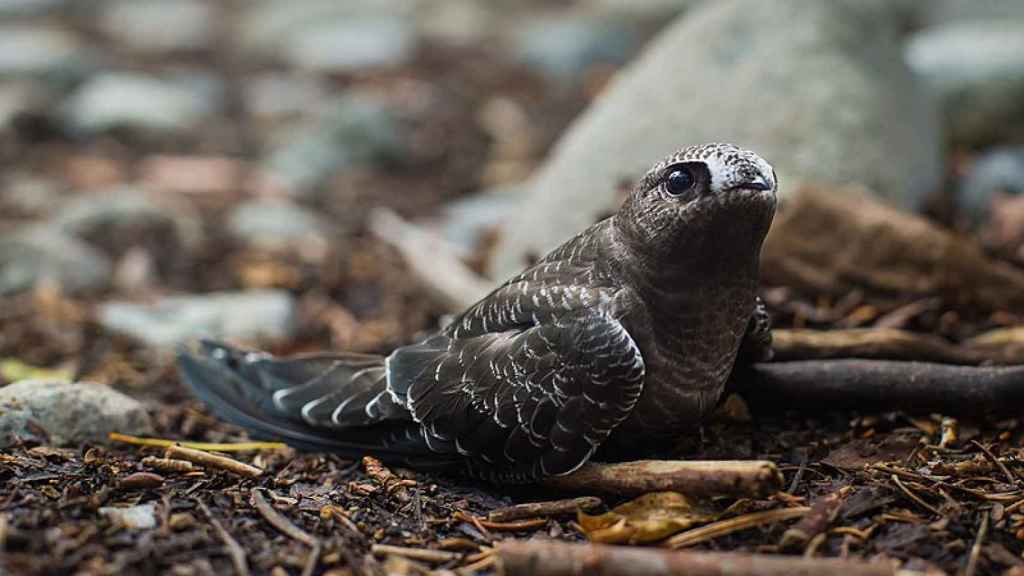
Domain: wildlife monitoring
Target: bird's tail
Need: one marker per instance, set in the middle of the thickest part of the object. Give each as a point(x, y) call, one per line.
point(336, 402)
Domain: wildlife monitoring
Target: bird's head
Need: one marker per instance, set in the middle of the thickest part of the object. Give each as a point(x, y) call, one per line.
point(705, 205)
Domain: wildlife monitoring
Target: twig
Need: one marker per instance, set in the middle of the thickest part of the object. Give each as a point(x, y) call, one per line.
point(478, 566)
point(218, 447)
point(312, 560)
point(972, 560)
point(424, 554)
point(213, 460)
point(235, 551)
point(432, 261)
point(544, 509)
point(728, 526)
point(168, 464)
point(277, 520)
point(823, 513)
point(915, 387)
point(332, 511)
point(915, 497)
point(876, 343)
point(515, 526)
point(393, 485)
point(693, 478)
point(1010, 478)
point(552, 558)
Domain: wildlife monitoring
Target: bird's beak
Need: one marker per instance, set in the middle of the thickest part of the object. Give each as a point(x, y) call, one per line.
point(757, 183)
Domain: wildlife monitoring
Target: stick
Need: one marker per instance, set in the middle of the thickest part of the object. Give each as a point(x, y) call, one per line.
point(730, 525)
point(277, 520)
point(552, 558)
point(235, 551)
point(695, 478)
point(425, 554)
point(972, 560)
point(168, 464)
point(213, 460)
point(432, 260)
point(817, 521)
point(883, 344)
point(216, 446)
point(914, 387)
point(544, 509)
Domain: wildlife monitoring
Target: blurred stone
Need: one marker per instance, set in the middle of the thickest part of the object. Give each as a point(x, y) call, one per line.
point(136, 102)
point(464, 223)
point(9, 8)
point(976, 69)
point(811, 86)
point(942, 11)
point(275, 95)
point(19, 99)
point(138, 517)
point(247, 316)
point(268, 26)
point(70, 413)
point(123, 217)
point(458, 22)
point(999, 171)
point(192, 174)
point(644, 10)
point(28, 194)
point(44, 52)
point(564, 46)
point(348, 132)
point(272, 223)
point(34, 256)
point(156, 26)
point(352, 44)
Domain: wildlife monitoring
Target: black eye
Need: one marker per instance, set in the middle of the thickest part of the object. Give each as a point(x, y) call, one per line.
point(679, 181)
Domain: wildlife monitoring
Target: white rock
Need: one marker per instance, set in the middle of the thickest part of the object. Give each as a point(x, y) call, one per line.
point(138, 517)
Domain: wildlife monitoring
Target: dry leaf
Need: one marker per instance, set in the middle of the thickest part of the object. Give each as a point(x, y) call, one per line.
point(649, 518)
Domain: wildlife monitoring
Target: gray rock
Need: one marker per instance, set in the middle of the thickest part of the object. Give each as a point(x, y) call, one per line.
point(465, 222)
point(644, 10)
point(566, 45)
point(155, 26)
point(36, 255)
point(121, 218)
point(275, 223)
point(997, 171)
point(274, 95)
point(11, 8)
point(348, 132)
point(814, 87)
point(352, 44)
point(943, 11)
point(267, 26)
point(137, 102)
point(42, 51)
point(70, 413)
point(976, 69)
point(138, 517)
point(29, 194)
point(20, 99)
point(248, 316)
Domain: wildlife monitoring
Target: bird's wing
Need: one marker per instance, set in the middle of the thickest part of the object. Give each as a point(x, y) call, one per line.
point(521, 403)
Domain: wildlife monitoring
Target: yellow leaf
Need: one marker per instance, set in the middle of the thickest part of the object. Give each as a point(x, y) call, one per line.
point(649, 518)
point(12, 370)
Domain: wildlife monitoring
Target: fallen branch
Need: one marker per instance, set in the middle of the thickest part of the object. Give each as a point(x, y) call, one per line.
point(424, 554)
point(433, 262)
point(216, 446)
point(885, 344)
point(544, 509)
point(695, 478)
point(552, 558)
point(234, 549)
point(278, 521)
point(213, 460)
point(915, 387)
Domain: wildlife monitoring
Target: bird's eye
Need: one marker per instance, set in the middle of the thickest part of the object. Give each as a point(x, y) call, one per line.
point(679, 181)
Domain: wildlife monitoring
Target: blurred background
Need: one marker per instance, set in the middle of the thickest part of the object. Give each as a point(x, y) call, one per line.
point(171, 168)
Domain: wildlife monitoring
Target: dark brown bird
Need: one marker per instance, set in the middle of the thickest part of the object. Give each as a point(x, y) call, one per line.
point(627, 332)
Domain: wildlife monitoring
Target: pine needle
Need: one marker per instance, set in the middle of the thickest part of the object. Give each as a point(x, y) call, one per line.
point(210, 446)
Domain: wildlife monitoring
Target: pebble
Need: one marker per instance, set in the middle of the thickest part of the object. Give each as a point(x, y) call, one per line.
point(136, 102)
point(156, 26)
point(138, 517)
point(250, 316)
point(353, 44)
point(565, 46)
point(70, 413)
point(271, 223)
point(998, 171)
point(37, 255)
point(975, 70)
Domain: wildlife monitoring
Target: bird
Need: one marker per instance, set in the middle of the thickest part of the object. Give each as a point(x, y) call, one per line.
point(624, 335)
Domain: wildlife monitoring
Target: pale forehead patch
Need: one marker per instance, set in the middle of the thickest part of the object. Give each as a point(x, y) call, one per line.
point(728, 164)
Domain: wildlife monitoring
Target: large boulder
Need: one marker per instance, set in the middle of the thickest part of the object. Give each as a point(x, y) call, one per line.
point(820, 89)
